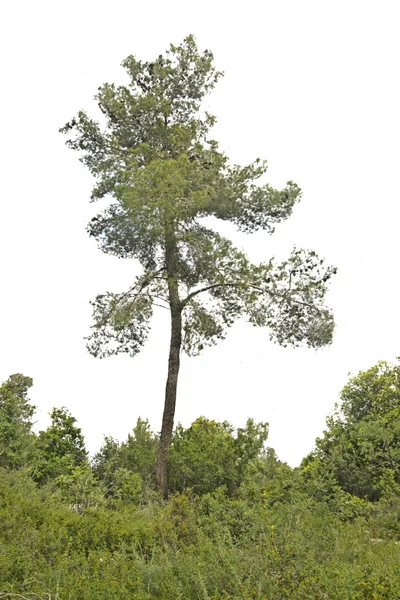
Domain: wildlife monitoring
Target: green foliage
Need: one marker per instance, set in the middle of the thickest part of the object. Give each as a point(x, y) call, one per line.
point(107, 460)
point(139, 451)
point(360, 450)
point(202, 457)
point(163, 172)
point(127, 469)
point(278, 534)
point(208, 455)
point(80, 488)
point(61, 447)
point(16, 438)
point(240, 525)
point(250, 444)
point(277, 546)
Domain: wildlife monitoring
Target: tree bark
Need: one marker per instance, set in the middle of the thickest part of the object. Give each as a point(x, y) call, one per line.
point(173, 371)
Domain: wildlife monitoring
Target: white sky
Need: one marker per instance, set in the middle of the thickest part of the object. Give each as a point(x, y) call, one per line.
point(313, 87)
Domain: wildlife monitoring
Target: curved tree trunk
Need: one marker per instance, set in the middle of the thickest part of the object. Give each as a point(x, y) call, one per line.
point(173, 370)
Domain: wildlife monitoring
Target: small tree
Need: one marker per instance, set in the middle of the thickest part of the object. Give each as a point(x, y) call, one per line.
point(360, 449)
point(208, 455)
point(16, 437)
point(61, 447)
point(154, 157)
point(132, 461)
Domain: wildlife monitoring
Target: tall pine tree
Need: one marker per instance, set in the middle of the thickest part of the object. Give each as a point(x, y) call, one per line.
point(155, 159)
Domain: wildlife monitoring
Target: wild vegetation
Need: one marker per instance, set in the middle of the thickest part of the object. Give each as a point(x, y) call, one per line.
point(239, 523)
point(207, 512)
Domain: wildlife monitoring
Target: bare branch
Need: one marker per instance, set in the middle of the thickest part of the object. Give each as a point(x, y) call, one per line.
point(205, 289)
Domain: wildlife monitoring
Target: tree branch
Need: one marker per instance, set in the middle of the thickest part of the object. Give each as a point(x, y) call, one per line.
point(250, 285)
point(205, 289)
point(144, 283)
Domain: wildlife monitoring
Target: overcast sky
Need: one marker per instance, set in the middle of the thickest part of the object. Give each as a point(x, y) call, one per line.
point(311, 86)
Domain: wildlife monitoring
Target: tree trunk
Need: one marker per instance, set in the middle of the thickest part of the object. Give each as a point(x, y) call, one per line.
point(173, 372)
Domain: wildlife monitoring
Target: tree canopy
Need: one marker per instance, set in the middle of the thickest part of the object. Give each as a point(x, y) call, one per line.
point(155, 158)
